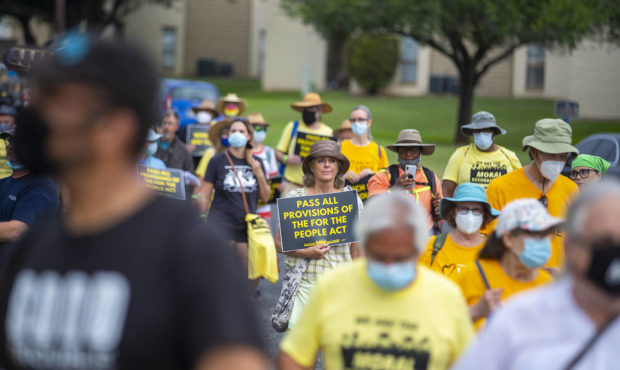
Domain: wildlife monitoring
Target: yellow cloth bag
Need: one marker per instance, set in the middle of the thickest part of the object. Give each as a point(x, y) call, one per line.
point(262, 258)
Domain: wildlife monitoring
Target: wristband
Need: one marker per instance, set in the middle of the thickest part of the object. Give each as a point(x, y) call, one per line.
point(195, 196)
point(202, 215)
point(285, 159)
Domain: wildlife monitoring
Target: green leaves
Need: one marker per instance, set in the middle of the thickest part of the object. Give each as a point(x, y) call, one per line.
point(371, 60)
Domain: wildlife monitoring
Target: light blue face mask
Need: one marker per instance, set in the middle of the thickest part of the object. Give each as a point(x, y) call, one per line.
point(483, 140)
point(536, 252)
point(237, 140)
point(5, 126)
point(259, 136)
point(15, 166)
point(415, 162)
point(151, 149)
point(393, 276)
point(359, 128)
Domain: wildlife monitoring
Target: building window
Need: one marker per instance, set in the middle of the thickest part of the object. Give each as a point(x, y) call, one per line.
point(408, 60)
point(169, 48)
point(535, 67)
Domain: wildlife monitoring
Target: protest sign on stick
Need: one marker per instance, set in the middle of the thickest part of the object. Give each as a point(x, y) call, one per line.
point(169, 182)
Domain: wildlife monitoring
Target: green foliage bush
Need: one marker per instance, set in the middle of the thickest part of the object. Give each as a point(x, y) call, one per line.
point(371, 60)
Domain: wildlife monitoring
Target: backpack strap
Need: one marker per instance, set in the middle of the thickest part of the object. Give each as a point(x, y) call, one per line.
point(293, 133)
point(294, 130)
point(482, 274)
point(430, 177)
point(379, 150)
point(394, 173)
point(440, 240)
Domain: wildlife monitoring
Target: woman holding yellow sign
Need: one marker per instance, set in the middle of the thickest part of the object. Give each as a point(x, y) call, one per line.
point(323, 171)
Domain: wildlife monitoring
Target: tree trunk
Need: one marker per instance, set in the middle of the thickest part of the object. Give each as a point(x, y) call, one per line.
point(24, 21)
point(466, 100)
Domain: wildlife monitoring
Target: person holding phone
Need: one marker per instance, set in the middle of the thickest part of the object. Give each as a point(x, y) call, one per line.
point(226, 211)
point(418, 181)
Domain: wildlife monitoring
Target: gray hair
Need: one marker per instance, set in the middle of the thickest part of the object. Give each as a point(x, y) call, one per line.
point(591, 195)
point(364, 108)
point(386, 211)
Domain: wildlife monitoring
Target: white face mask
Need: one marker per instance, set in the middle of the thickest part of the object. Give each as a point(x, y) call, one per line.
point(152, 148)
point(203, 117)
point(483, 140)
point(468, 223)
point(551, 169)
point(259, 136)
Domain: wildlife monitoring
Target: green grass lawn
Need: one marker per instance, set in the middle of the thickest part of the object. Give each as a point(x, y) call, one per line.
point(433, 116)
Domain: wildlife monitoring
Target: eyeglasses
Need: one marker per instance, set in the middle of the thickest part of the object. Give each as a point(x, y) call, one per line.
point(544, 201)
point(584, 173)
point(353, 120)
point(464, 210)
point(7, 122)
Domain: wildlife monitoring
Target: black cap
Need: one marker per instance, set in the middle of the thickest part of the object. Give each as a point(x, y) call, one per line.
point(118, 68)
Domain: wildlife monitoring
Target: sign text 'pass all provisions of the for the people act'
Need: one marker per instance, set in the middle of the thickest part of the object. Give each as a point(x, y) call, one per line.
point(198, 135)
point(168, 182)
point(317, 219)
point(304, 142)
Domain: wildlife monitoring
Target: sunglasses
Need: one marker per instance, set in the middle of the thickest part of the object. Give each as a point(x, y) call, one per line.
point(583, 173)
point(258, 128)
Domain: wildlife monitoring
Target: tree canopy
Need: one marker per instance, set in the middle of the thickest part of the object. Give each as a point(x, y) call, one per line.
point(474, 34)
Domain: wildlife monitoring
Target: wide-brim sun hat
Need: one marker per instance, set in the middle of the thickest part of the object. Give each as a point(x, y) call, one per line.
point(409, 138)
point(231, 98)
point(215, 130)
point(344, 126)
point(311, 100)
point(151, 135)
point(480, 121)
point(467, 192)
point(206, 106)
point(526, 214)
point(326, 148)
point(551, 135)
point(257, 119)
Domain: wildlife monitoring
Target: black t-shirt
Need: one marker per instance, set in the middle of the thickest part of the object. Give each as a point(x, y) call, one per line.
point(227, 206)
point(153, 292)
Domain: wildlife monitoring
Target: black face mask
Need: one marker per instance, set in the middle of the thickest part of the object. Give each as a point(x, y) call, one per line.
point(604, 268)
point(31, 135)
point(308, 117)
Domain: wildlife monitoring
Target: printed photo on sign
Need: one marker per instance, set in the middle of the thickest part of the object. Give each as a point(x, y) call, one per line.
point(274, 183)
point(248, 181)
point(317, 219)
point(198, 135)
point(304, 142)
point(168, 182)
point(69, 321)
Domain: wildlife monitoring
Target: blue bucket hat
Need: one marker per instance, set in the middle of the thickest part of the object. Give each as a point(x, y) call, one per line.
point(468, 192)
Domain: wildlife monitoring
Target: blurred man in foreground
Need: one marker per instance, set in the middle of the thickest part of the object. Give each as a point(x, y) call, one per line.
point(572, 324)
point(125, 279)
point(385, 312)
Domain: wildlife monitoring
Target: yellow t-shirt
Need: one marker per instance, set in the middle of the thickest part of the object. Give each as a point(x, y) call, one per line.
point(371, 156)
point(358, 325)
point(5, 170)
point(516, 185)
point(286, 144)
point(473, 287)
point(451, 259)
point(468, 164)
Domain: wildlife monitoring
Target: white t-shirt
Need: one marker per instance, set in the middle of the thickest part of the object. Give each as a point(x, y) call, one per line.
point(270, 163)
point(542, 329)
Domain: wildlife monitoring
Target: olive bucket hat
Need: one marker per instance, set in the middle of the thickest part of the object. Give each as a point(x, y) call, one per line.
point(326, 148)
point(409, 138)
point(480, 121)
point(551, 135)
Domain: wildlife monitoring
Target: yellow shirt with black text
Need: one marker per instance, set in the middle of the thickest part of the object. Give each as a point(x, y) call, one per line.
point(468, 164)
point(357, 325)
point(293, 173)
point(451, 259)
